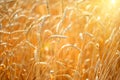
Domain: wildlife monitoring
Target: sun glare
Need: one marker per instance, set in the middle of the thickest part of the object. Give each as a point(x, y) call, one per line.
point(113, 1)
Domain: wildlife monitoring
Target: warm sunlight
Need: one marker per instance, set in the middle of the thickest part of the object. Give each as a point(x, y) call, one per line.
point(113, 1)
point(59, 39)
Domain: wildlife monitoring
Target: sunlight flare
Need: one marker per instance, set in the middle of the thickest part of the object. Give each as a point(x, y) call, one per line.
point(113, 1)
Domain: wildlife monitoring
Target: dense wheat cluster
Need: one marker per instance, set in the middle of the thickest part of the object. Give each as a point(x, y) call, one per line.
point(59, 40)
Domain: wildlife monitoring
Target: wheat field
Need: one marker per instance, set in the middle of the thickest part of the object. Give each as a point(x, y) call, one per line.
point(59, 40)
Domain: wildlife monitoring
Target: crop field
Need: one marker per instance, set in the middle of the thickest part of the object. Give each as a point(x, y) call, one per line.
point(59, 40)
